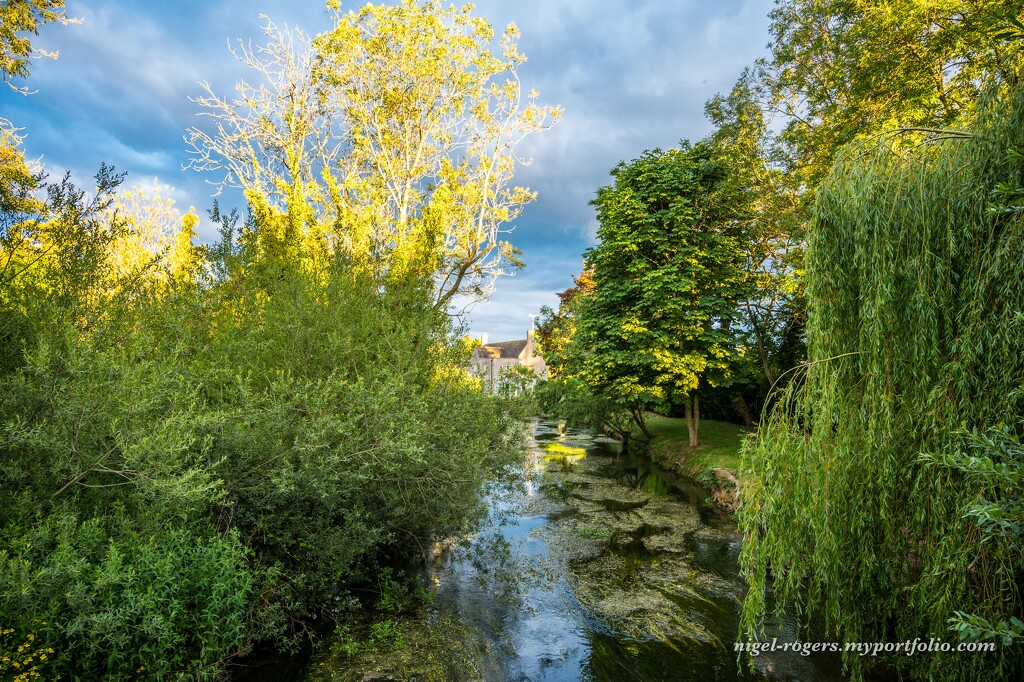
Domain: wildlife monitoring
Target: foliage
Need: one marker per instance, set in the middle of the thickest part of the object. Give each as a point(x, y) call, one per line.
point(202, 449)
point(1003, 24)
point(517, 383)
point(21, 662)
point(667, 273)
point(304, 412)
point(767, 202)
point(840, 70)
point(557, 327)
point(590, 532)
point(18, 17)
point(393, 134)
point(992, 463)
point(54, 267)
point(126, 600)
point(570, 399)
point(914, 334)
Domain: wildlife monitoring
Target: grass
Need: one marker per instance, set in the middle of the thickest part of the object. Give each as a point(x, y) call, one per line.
point(719, 446)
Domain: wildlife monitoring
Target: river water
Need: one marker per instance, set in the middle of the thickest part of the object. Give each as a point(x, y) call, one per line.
point(591, 566)
point(600, 567)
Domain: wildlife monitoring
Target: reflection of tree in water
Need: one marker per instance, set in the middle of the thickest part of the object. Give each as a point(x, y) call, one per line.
point(500, 566)
point(496, 569)
point(639, 477)
point(528, 476)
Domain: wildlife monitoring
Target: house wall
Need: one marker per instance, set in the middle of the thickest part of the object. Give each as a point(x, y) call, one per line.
point(488, 368)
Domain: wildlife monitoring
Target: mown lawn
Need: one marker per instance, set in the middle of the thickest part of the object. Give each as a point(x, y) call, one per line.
point(719, 444)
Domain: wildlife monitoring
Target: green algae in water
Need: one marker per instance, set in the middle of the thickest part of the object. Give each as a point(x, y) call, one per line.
point(424, 648)
point(599, 570)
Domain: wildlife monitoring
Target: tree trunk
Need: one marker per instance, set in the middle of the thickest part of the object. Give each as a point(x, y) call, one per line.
point(696, 420)
point(624, 435)
point(686, 415)
point(691, 412)
point(743, 409)
point(761, 350)
point(638, 419)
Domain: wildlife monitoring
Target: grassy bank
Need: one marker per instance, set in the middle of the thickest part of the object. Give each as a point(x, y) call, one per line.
point(719, 446)
point(714, 462)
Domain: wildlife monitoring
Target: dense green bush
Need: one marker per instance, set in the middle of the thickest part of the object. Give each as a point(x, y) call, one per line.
point(112, 599)
point(212, 465)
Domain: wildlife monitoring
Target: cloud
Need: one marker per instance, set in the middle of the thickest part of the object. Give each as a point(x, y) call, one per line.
point(630, 74)
point(507, 316)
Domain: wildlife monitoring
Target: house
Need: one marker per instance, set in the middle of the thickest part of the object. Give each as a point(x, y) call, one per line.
point(489, 359)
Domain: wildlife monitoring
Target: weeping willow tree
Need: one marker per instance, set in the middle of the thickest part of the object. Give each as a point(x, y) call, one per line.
point(885, 488)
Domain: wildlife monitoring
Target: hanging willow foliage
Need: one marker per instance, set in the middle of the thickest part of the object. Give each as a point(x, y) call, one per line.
point(915, 289)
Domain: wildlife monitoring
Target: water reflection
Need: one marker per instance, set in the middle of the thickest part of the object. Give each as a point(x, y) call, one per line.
point(599, 567)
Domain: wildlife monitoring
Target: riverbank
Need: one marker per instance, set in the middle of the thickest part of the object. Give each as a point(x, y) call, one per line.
point(714, 463)
point(592, 565)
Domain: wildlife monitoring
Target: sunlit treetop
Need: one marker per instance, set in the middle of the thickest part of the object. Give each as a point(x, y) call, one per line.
point(20, 19)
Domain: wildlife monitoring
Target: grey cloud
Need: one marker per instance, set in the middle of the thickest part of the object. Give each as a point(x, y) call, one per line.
point(631, 75)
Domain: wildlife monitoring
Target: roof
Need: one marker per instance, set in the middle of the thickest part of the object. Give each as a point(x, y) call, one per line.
point(506, 349)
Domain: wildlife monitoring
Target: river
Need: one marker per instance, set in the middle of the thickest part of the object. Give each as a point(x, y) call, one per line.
point(599, 567)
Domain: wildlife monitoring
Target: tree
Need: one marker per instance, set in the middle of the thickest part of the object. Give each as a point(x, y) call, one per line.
point(914, 290)
point(557, 328)
point(393, 134)
point(21, 210)
point(18, 17)
point(150, 219)
point(667, 274)
point(768, 204)
point(19, 179)
point(843, 69)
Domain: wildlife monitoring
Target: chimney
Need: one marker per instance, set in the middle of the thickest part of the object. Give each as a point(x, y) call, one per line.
point(483, 339)
point(529, 344)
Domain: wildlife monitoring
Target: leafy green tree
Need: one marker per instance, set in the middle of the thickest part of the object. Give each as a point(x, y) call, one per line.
point(557, 327)
point(767, 203)
point(842, 69)
point(667, 275)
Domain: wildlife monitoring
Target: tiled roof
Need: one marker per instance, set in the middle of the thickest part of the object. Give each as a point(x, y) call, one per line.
point(507, 349)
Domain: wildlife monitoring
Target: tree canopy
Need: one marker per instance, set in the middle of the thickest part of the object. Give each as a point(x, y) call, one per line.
point(392, 136)
point(18, 18)
point(667, 273)
point(842, 69)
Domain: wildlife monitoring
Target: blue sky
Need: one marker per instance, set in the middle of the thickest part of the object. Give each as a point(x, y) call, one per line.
point(630, 74)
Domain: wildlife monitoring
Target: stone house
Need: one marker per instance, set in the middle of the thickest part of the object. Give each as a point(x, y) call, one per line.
point(489, 359)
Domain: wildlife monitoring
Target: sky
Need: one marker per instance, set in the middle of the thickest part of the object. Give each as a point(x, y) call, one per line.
point(631, 75)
